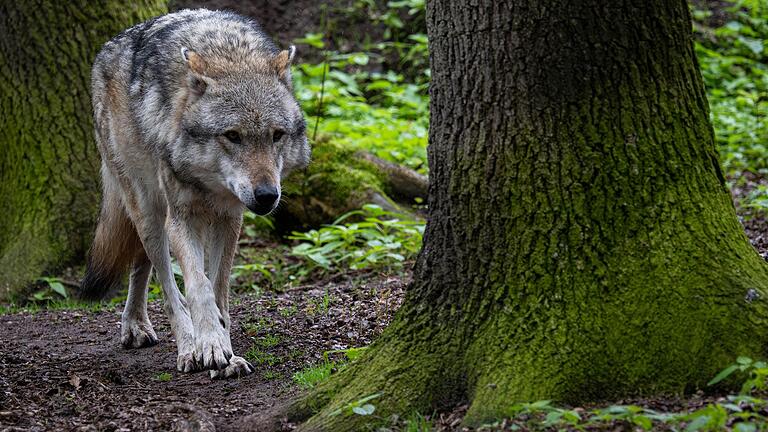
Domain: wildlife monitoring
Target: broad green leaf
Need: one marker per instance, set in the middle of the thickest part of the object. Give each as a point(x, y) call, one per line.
point(725, 373)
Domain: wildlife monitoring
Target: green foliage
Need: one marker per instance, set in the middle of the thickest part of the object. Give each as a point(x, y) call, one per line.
point(269, 341)
point(735, 70)
point(758, 198)
point(381, 239)
point(163, 377)
point(742, 412)
point(756, 370)
point(360, 407)
point(270, 375)
point(417, 422)
point(370, 238)
point(288, 311)
point(52, 290)
point(376, 112)
point(313, 375)
point(384, 113)
point(258, 357)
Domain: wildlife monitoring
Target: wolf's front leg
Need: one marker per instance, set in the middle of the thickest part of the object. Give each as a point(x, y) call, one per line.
point(149, 217)
point(213, 349)
point(222, 240)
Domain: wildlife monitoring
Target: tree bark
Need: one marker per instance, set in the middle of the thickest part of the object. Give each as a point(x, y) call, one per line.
point(49, 162)
point(581, 244)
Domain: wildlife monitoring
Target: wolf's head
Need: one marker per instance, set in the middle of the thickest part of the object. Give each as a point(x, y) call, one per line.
point(242, 129)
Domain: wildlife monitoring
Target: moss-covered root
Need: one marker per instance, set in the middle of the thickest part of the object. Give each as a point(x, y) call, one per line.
point(340, 180)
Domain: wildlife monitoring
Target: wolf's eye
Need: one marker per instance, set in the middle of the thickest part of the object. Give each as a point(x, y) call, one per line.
point(276, 135)
point(232, 136)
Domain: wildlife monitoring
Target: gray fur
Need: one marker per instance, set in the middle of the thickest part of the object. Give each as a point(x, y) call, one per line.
point(188, 110)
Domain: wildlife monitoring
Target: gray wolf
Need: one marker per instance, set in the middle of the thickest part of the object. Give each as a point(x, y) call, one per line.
point(195, 120)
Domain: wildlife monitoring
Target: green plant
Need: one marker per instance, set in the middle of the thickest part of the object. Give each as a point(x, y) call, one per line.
point(269, 341)
point(359, 407)
point(253, 327)
point(313, 375)
point(758, 198)
point(416, 422)
point(381, 239)
point(756, 370)
point(270, 375)
point(259, 357)
point(52, 289)
point(380, 113)
point(288, 311)
point(163, 377)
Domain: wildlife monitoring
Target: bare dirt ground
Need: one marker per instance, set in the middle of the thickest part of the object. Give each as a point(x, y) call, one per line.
point(65, 370)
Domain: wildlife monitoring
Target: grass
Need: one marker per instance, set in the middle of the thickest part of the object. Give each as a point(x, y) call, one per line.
point(258, 357)
point(254, 327)
point(54, 305)
point(269, 341)
point(163, 377)
point(313, 375)
point(270, 375)
point(288, 311)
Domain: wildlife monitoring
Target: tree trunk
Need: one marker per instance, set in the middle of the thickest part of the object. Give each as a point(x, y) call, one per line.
point(49, 162)
point(581, 243)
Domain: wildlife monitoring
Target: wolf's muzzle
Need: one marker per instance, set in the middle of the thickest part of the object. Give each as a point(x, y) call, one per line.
point(265, 199)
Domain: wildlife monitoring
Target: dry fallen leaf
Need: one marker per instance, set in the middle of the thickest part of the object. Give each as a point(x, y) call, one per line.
point(75, 381)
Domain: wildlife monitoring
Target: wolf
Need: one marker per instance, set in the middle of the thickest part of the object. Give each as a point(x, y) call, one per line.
point(195, 120)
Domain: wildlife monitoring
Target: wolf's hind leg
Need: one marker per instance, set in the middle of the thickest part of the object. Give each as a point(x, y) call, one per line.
point(136, 329)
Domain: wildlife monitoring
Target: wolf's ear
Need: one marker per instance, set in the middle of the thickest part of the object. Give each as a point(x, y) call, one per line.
point(282, 64)
point(197, 80)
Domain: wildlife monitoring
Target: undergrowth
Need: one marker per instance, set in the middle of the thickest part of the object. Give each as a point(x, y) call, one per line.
point(365, 239)
point(731, 49)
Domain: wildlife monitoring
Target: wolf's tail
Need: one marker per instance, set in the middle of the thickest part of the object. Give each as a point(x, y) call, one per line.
point(114, 247)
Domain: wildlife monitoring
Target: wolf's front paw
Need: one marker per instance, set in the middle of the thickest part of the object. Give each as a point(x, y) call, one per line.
point(238, 367)
point(212, 350)
point(137, 334)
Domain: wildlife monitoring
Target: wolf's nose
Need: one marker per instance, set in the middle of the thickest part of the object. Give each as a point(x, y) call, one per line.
point(265, 198)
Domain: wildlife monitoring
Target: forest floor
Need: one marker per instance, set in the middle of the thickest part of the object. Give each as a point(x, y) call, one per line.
point(65, 369)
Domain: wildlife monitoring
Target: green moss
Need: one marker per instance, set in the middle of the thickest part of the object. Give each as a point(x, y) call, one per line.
point(49, 177)
point(335, 174)
point(336, 182)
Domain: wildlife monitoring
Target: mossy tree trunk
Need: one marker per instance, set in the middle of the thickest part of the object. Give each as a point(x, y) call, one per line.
point(48, 157)
point(581, 243)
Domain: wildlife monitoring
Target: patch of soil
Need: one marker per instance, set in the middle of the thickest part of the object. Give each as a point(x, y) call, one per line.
point(66, 370)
